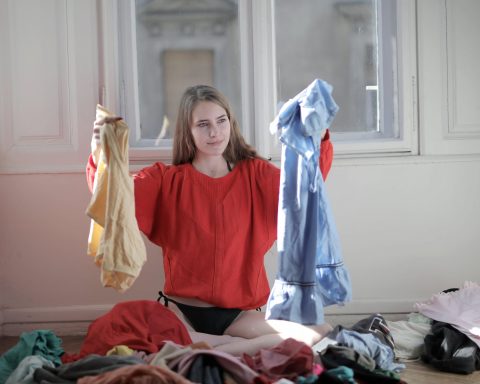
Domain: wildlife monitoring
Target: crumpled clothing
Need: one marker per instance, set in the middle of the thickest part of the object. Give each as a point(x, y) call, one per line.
point(409, 338)
point(121, 350)
point(460, 308)
point(450, 350)
point(369, 345)
point(88, 366)
point(142, 325)
point(23, 374)
point(377, 326)
point(231, 365)
point(288, 359)
point(343, 352)
point(136, 374)
point(40, 342)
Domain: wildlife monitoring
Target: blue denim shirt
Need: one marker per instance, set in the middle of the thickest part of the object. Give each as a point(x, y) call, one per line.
point(311, 271)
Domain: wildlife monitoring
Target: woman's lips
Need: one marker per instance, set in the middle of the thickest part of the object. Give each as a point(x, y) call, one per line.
point(215, 143)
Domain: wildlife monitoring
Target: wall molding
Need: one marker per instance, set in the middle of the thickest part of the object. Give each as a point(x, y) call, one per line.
point(75, 319)
point(63, 320)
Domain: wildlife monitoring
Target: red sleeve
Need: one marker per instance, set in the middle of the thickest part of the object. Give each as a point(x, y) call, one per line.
point(326, 155)
point(268, 183)
point(91, 169)
point(147, 184)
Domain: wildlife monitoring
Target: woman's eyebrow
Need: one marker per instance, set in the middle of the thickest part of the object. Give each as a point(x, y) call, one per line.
point(224, 115)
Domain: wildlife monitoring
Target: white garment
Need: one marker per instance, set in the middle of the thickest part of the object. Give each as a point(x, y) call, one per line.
point(409, 338)
point(459, 308)
point(114, 235)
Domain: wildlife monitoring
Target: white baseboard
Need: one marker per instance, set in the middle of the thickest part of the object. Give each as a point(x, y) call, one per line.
point(60, 329)
point(75, 319)
point(67, 320)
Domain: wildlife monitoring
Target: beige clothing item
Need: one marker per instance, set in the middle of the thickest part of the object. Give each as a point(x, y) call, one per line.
point(115, 239)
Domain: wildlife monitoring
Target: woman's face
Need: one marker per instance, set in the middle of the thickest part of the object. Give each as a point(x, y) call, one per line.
point(210, 129)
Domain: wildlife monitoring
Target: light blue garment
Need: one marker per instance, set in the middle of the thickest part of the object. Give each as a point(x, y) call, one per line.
point(40, 342)
point(23, 374)
point(311, 271)
point(369, 345)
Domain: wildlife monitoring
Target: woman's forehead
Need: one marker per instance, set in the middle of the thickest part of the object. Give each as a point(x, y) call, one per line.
point(207, 110)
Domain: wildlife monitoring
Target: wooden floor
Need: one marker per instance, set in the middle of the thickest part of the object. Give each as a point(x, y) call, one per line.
point(416, 372)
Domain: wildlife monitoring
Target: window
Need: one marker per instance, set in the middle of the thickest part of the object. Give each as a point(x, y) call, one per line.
point(260, 53)
point(353, 45)
point(166, 46)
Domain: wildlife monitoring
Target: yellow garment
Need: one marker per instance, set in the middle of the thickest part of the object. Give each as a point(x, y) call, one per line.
point(121, 350)
point(114, 238)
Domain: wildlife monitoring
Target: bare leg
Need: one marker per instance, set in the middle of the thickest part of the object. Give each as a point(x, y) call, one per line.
point(260, 333)
point(213, 340)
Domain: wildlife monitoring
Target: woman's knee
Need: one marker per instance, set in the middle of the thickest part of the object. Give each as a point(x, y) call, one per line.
point(318, 332)
point(253, 324)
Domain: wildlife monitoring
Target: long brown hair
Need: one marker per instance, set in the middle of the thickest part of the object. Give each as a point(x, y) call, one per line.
point(184, 149)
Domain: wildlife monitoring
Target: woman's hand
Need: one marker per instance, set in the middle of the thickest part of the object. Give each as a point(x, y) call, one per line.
point(96, 145)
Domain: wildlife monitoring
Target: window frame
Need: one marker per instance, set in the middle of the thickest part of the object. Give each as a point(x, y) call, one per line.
point(350, 145)
point(119, 86)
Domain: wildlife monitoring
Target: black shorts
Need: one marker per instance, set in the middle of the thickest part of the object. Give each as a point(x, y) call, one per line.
point(211, 320)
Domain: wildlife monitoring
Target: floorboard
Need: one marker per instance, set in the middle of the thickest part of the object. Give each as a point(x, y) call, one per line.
point(415, 373)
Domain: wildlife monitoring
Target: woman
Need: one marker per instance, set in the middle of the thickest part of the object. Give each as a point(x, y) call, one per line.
point(213, 212)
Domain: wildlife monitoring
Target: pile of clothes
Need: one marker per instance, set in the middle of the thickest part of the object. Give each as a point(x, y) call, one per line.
point(143, 342)
point(453, 343)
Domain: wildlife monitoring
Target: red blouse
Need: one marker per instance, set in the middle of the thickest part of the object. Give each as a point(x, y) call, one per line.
point(214, 232)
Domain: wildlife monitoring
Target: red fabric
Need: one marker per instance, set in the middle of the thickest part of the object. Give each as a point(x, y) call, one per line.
point(136, 374)
point(214, 233)
point(142, 325)
point(326, 155)
point(289, 359)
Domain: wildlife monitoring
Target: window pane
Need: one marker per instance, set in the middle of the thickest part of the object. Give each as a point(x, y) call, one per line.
point(337, 41)
point(182, 43)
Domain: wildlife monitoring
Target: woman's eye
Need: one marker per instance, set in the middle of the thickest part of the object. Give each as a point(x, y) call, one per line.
point(221, 121)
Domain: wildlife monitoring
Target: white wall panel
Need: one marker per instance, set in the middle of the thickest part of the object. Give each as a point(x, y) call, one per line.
point(48, 71)
point(448, 62)
point(463, 64)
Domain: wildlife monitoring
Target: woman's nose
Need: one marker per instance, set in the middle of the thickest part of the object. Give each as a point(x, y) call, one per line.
point(213, 130)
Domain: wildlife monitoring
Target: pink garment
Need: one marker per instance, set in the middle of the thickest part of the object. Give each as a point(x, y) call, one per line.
point(459, 308)
point(136, 374)
point(288, 359)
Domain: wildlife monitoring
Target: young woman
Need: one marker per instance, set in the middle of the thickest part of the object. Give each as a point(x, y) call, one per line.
point(214, 214)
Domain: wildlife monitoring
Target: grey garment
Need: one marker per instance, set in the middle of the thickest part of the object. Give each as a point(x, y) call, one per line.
point(369, 345)
point(23, 374)
point(90, 365)
point(239, 371)
point(376, 325)
point(349, 353)
point(323, 344)
point(205, 369)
